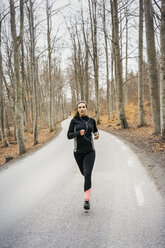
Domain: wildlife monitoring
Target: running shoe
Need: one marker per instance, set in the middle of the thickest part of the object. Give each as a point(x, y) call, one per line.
point(86, 205)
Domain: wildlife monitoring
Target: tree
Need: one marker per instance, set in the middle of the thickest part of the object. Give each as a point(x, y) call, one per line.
point(162, 69)
point(74, 83)
point(126, 54)
point(107, 60)
point(80, 64)
point(19, 104)
point(33, 69)
point(112, 89)
point(152, 65)
point(118, 68)
point(3, 134)
point(48, 13)
point(93, 22)
point(86, 72)
point(141, 121)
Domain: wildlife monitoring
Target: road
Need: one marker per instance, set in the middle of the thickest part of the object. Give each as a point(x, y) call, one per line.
point(41, 200)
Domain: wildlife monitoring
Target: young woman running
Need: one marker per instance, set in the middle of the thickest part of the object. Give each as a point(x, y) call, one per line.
point(81, 128)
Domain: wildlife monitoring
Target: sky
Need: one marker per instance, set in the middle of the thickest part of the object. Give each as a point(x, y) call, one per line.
point(70, 11)
point(69, 8)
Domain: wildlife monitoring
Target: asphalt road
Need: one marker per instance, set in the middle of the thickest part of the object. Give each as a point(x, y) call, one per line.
point(41, 200)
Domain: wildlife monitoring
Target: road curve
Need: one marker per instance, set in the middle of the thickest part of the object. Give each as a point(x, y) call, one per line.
point(41, 200)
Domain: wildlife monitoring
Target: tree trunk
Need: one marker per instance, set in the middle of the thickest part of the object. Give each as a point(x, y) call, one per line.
point(29, 92)
point(73, 94)
point(2, 122)
point(11, 104)
point(23, 67)
point(107, 61)
point(93, 22)
point(119, 87)
point(50, 65)
point(126, 57)
point(34, 75)
point(80, 67)
point(113, 91)
point(152, 65)
point(141, 121)
point(86, 76)
point(19, 104)
point(162, 70)
point(76, 70)
point(7, 122)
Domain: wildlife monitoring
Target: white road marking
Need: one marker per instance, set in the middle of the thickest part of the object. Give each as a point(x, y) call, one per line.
point(124, 148)
point(139, 195)
point(131, 162)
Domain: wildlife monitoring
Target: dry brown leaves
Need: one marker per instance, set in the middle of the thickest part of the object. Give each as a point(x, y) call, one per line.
point(143, 136)
point(11, 151)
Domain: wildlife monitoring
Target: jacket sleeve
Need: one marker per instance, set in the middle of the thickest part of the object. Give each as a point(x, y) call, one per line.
point(95, 130)
point(71, 133)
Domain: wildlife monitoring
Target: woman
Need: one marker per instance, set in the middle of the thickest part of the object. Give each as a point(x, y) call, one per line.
point(81, 129)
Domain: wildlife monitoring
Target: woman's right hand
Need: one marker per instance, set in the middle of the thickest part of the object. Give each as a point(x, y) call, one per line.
point(82, 131)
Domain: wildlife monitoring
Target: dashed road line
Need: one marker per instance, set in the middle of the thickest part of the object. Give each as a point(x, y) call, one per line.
point(124, 148)
point(139, 195)
point(131, 162)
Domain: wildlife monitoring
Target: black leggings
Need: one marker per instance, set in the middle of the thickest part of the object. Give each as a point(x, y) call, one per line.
point(85, 163)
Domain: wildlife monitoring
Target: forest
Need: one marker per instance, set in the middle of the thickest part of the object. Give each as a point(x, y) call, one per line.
point(53, 54)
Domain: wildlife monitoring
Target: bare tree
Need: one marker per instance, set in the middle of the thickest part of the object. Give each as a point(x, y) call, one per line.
point(118, 68)
point(19, 104)
point(141, 121)
point(2, 121)
point(80, 64)
point(33, 69)
point(162, 70)
point(126, 54)
point(152, 65)
point(107, 60)
point(93, 22)
point(74, 83)
point(112, 88)
point(48, 13)
point(86, 73)
point(23, 74)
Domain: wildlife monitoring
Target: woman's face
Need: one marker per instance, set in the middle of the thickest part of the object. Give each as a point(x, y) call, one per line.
point(82, 110)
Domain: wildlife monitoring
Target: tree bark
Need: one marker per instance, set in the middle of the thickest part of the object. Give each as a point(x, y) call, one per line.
point(19, 104)
point(80, 66)
point(119, 87)
point(86, 73)
point(2, 122)
point(76, 70)
point(126, 56)
point(162, 69)
point(113, 91)
point(93, 22)
point(152, 66)
point(23, 64)
point(50, 65)
point(107, 61)
point(34, 74)
point(141, 121)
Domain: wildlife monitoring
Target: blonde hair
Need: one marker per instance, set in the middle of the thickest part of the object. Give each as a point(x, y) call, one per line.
point(75, 112)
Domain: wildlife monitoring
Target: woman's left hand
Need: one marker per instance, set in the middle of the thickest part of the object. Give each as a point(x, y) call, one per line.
point(96, 136)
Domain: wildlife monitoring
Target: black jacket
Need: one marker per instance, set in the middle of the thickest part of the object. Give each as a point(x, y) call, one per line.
point(82, 144)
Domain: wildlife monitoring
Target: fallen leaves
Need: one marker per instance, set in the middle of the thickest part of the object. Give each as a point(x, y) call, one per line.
point(11, 151)
point(141, 136)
